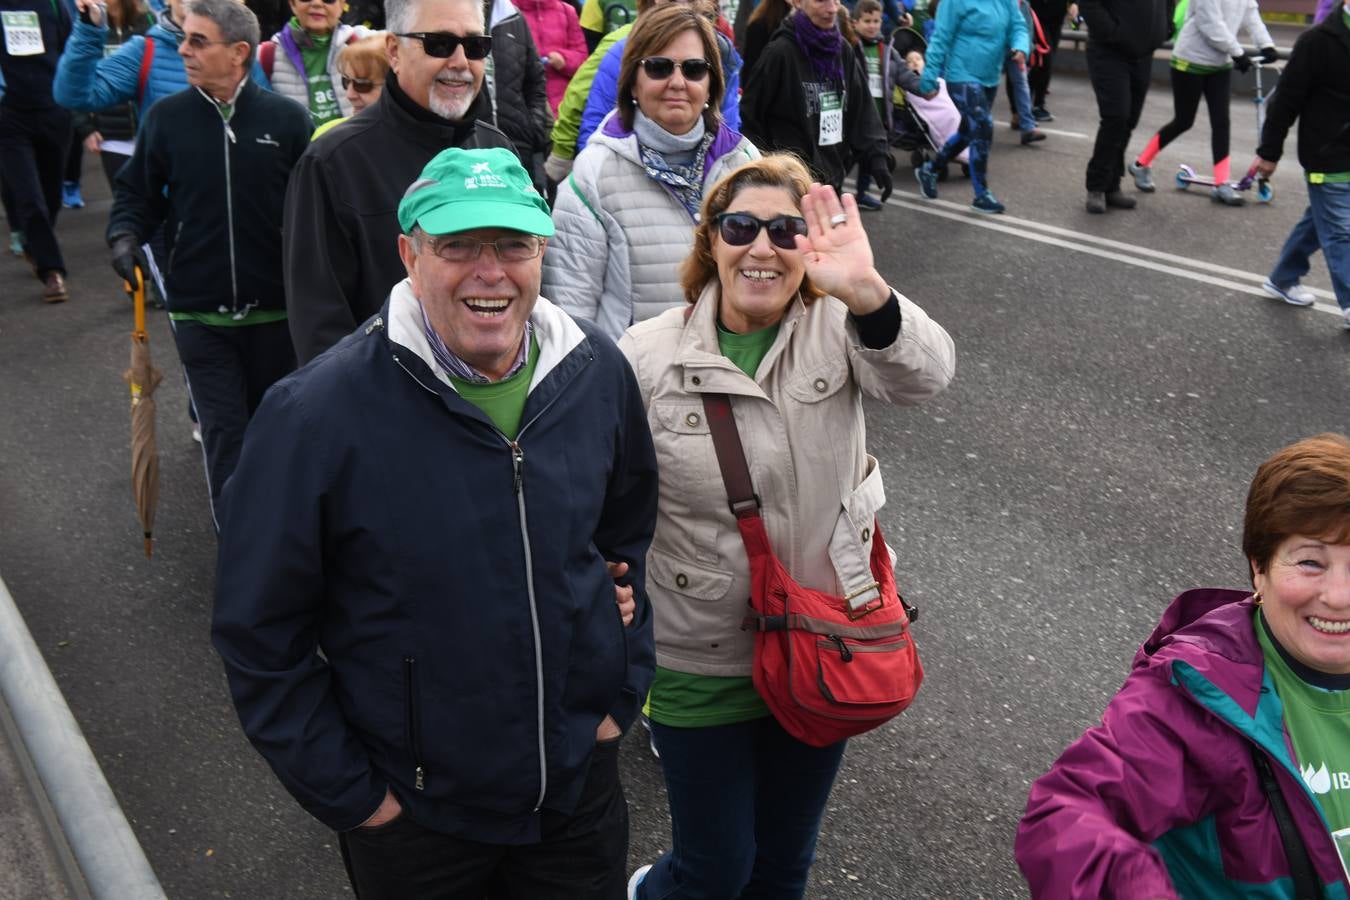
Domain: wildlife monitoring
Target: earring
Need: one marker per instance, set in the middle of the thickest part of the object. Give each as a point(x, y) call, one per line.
point(705, 104)
point(1256, 598)
point(634, 101)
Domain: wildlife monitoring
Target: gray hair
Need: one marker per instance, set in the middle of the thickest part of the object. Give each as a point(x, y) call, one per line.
point(235, 20)
point(399, 15)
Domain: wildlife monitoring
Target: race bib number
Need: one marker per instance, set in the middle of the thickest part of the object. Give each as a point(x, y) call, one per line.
point(831, 119)
point(874, 84)
point(23, 33)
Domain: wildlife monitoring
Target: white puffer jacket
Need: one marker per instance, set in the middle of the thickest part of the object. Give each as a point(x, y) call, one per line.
point(287, 82)
point(620, 235)
point(1208, 37)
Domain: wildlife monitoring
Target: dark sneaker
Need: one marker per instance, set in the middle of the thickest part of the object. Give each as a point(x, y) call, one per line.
point(1032, 136)
point(927, 179)
point(16, 243)
point(1096, 202)
point(54, 288)
point(1225, 194)
point(1143, 177)
point(1042, 114)
point(1117, 200)
point(868, 202)
point(987, 203)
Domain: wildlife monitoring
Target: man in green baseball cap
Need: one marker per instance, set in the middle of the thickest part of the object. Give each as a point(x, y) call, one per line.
point(422, 548)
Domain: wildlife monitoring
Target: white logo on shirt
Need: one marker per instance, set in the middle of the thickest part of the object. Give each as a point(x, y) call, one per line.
point(267, 139)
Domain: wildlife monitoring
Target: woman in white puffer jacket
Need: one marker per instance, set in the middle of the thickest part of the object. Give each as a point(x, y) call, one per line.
point(1203, 58)
point(301, 58)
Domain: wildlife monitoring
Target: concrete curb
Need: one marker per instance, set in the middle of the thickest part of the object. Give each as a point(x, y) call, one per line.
point(88, 818)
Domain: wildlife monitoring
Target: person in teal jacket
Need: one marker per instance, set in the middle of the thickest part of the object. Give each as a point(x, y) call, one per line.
point(86, 80)
point(971, 42)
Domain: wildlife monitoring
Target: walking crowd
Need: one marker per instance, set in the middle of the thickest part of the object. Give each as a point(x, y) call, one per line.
point(603, 261)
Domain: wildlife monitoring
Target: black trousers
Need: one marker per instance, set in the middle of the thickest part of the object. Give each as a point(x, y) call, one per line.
point(1120, 83)
point(33, 147)
point(1187, 89)
point(228, 370)
point(581, 857)
point(1051, 15)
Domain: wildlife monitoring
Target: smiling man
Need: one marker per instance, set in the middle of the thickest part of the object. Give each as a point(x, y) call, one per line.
point(214, 159)
point(340, 240)
point(413, 603)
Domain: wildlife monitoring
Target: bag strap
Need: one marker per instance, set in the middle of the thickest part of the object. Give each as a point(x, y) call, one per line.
point(147, 57)
point(741, 496)
point(1306, 886)
point(267, 57)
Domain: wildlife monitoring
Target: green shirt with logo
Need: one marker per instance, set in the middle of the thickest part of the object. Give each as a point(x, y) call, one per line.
point(1319, 726)
point(323, 102)
point(503, 401)
point(683, 700)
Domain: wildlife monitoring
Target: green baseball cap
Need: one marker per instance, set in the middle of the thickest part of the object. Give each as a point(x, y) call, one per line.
point(460, 190)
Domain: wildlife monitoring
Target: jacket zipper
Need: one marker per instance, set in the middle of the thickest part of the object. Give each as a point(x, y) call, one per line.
point(414, 725)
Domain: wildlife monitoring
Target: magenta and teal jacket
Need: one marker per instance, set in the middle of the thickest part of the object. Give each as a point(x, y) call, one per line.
point(1162, 799)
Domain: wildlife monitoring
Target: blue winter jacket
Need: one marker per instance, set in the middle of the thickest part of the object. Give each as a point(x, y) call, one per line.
point(604, 93)
point(87, 81)
point(972, 40)
point(406, 599)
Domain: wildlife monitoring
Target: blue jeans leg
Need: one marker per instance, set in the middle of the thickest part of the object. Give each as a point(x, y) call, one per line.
point(745, 807)
point(1330, 204)
point(1299, 247)
point(976, 132)
point(1021, 95)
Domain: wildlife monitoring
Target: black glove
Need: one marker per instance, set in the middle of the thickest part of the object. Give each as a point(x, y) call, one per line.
point(127, 258)
point(1269, 54)
point(880, 170)
point(1242, 63)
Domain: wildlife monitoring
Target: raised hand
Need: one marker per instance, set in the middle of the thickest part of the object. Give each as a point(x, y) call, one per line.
point(836, 252)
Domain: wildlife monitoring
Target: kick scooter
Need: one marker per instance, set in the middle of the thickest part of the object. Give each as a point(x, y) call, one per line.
point(1265, 192)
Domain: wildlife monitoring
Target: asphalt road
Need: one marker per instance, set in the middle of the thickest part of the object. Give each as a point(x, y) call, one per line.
point(1118, 382)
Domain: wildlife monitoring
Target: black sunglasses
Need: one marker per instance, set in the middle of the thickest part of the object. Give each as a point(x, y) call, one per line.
point(662, 67)
point(739, 229)
point(442, 44)
point(362, 85)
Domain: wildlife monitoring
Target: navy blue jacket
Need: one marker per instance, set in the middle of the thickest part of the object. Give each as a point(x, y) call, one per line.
point(220, 189)
point(445, 573)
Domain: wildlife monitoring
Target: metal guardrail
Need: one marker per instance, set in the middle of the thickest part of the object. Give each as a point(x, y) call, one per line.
point(109, 858)
point(1080, 35)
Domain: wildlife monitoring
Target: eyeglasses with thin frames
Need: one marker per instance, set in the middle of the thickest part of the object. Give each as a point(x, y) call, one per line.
point(442, 44)
point(197, 42)
point(508, 249)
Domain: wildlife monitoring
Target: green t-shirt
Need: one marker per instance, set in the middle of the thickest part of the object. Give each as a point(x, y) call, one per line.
point(503, 401)
point(682, 700)
point(872, 55)
point(1319, 726)
point(323, 102)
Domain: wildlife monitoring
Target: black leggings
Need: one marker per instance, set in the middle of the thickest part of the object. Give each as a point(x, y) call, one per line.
point(1187, 88)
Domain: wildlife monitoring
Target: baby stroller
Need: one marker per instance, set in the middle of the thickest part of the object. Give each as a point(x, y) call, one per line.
point(920, 126)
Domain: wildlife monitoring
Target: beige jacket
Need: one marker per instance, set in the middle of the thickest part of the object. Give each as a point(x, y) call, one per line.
point(801, 422)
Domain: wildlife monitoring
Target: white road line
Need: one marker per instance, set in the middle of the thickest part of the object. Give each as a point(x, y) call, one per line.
point(1130, 254)
point(1056, 131)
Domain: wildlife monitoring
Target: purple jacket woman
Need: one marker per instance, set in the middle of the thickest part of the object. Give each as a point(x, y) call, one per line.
point(1163, 797)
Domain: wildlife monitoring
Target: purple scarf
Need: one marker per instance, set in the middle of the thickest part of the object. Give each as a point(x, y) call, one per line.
point(822, 47)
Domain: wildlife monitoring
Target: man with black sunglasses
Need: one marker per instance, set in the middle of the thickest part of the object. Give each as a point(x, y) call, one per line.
point(340, 240)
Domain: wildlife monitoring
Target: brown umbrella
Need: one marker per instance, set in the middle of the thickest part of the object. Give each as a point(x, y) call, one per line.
point(143, 378)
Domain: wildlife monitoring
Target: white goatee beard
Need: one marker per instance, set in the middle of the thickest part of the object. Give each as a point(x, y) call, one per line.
point(448, 109)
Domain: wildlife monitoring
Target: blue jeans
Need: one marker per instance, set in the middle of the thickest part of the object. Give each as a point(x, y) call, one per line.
point(976, 131)
point(1019, 92)
point(745, 807)
point(1325, 225)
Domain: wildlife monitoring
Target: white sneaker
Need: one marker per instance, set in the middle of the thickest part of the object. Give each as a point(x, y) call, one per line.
point(1294, 295)
point(196, 432)
point(1346, 323)
point(636, 880)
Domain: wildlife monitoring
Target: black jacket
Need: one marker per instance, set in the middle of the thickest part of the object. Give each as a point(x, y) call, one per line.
point(1133, 27)
point(28, 79)
point(780, 109)
point(1315, 89)
point(224, 186)
point(519, 98)
point(341, 236)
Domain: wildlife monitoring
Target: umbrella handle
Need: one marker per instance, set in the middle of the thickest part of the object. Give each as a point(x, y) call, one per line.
point(137, 292)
